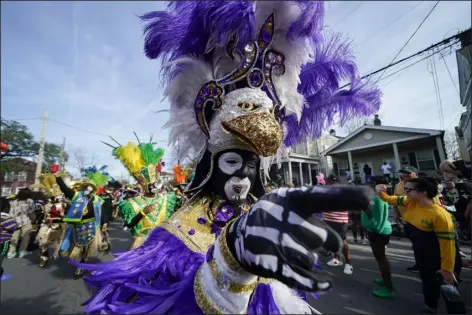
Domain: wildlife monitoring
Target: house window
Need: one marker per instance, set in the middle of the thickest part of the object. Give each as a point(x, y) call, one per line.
point(6, 191)
point(18, 189)
point(9, 176)
point(22, 176)
point(426, 161)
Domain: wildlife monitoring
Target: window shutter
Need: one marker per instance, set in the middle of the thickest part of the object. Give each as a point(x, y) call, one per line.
point(412, 158)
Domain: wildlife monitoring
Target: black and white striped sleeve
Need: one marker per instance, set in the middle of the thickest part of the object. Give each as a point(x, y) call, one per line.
point(279, 235)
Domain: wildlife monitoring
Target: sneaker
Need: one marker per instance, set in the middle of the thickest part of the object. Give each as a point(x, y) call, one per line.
point(334, 262)
point(348, 269)
point(364, 242)
point(125, 228)
point(23, 253)
point(412, 269)
point(468, 264)
point(379, 282)
point(463, 255)
point(11, 255)
point(384, 293)
point(354, 241)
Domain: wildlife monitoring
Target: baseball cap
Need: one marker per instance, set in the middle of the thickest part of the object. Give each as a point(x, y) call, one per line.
point(408, 169)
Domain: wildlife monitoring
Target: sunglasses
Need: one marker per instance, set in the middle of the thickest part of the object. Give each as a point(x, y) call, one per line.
point(407, 190)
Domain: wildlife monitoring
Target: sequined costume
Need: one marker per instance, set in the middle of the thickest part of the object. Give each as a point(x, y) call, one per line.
point(143, 163)
point(265, 78)
point(82, 238)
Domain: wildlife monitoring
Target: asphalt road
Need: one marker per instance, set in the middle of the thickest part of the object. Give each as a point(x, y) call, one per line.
point(31, 290)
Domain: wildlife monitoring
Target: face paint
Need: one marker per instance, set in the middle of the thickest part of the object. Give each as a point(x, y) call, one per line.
point(237, 189)
point(230, 162)
point(235, 174)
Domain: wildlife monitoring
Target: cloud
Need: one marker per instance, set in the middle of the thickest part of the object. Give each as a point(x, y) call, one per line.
point(84, 62)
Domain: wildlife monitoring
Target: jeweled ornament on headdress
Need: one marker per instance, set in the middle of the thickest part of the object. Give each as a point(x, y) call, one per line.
point(257, 76)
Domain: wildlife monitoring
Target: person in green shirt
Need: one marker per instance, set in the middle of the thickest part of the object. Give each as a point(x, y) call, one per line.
point(379, 229)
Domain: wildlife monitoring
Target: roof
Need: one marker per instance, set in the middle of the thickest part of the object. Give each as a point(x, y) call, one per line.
point(431, 132)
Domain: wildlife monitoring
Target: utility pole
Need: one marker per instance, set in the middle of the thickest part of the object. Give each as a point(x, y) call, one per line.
point(39, 165)
point(63, 155)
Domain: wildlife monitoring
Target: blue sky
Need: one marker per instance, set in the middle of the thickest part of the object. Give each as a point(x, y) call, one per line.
point(83, 61)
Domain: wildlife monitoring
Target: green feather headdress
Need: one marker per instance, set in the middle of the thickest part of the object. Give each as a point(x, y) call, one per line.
point(96, 177)
point(141, 160)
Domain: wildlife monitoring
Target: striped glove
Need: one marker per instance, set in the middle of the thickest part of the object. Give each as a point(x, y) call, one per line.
point(277, 238)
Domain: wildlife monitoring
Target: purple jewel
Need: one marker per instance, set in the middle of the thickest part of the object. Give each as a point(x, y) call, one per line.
point(201, 220)
point(206, 91)
point(191, 231)
point(271, 57)
point(199, 100)
point(256, 78)
point(316, 296)
point(266, 35)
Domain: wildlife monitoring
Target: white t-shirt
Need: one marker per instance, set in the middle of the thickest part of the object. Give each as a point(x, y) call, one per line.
point(387, 169)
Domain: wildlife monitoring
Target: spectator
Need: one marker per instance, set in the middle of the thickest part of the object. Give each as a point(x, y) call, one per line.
point(387, 170)
point(21, 210)
point(367, 173)
point(432, 232)
point(7, 228)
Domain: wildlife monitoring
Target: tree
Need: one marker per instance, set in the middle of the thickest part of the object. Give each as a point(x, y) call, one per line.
point(21, 144)
point(451, 145)
point(354, 124)
point(82, 160)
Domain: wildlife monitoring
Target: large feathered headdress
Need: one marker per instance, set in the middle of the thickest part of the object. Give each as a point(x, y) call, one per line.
point(94, 176)
point(142, 161)
point(253, 75)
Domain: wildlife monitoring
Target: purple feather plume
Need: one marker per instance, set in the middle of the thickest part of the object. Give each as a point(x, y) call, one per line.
point(310, 22)
point(319, 84)
point(187, 26)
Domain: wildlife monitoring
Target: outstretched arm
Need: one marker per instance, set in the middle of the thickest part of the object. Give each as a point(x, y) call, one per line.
point(67, 191)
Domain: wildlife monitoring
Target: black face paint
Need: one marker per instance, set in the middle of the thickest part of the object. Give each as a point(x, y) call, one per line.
point(235, 174)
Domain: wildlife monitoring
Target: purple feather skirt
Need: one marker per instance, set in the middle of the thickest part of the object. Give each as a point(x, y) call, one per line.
point(156, 278)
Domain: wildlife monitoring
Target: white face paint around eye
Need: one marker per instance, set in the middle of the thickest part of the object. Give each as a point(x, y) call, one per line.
point(230, 162)
point(235, 187)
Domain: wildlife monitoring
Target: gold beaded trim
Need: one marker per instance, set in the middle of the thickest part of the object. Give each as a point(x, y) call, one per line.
point(233, 287)
point(200, 297)
point(232, 263)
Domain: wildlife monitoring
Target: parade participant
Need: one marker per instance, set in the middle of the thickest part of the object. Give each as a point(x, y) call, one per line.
point(82, 238)
point(144, 212)
point(232, 249)
point(379, 230)
point(432, 232)
point(52, 227)
point(21, 210)
point(7, 227)
point(180, 182)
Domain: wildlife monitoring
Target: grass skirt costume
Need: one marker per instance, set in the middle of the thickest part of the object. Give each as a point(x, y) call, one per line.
point(143, 163)
point(265, 78)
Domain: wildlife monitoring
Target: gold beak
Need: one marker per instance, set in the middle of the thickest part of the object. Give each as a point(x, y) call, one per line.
point(260, 131)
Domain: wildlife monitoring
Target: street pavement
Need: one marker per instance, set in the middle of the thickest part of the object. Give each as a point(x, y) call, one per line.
point(31, 290)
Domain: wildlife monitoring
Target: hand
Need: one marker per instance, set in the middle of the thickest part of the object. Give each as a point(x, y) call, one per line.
point(148, 209)
point(381, 188)
point(57, 174)
point(278, 237)
point(448, 277)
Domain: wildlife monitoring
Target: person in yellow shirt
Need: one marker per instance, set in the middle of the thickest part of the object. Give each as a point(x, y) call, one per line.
point(432, 232)
point(406, 173)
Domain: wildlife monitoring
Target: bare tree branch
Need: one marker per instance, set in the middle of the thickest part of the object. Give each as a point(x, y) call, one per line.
point(354, 124)
point(451, 145)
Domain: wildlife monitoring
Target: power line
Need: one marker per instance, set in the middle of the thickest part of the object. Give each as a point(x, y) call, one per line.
point(388, 25)
point(443, 42)
point(348, 14)
point(73, 127)
point(411, 37)
point(450, 75)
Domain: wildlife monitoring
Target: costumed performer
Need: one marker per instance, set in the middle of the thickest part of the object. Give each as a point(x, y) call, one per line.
point(180, 182)
point(262, 74)
point(144, 212)
point(82, 238)
point(52, 226)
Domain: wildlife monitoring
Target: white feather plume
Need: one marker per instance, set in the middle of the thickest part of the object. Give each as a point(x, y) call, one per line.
point(288, 300)
point(181, 92)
